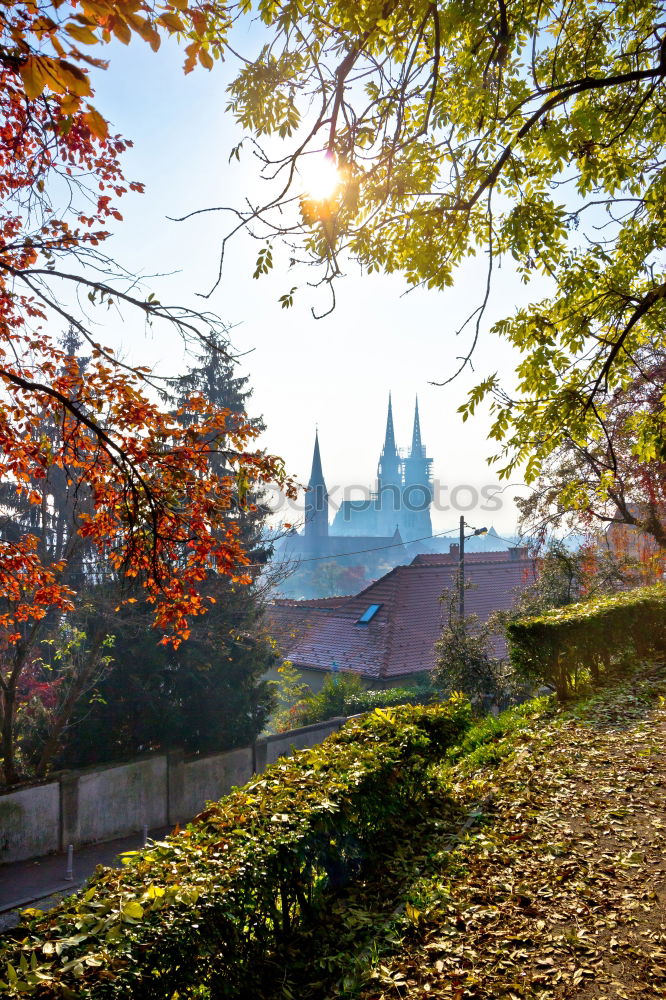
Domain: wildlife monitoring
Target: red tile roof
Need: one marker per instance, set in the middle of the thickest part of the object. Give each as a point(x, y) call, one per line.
point(315, 602)
point(288, 620)
point(452, 556)
point(399, 639)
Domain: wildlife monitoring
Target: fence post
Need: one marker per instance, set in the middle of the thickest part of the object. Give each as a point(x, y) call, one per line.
point(259, 756)
point(69, 809)
point(69, 871)
point(175, 786)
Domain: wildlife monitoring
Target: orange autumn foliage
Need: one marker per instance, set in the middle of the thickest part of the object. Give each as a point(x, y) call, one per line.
point(157, 511)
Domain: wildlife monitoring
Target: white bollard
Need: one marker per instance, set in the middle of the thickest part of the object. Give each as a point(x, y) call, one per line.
point(69, 872)
point(144, 834)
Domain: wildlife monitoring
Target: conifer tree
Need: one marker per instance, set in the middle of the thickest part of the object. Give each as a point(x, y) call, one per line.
point(208, 694)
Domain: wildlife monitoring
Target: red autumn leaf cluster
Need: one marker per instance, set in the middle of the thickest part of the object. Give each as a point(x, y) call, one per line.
point(156, 511)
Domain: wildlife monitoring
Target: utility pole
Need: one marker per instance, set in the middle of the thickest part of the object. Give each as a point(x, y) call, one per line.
point(461, 571)
point(461, 563)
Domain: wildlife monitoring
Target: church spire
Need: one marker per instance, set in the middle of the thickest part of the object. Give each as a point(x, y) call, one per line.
point(316, 500)
point(389, 478)
point(418, 486)
point(417, 444)
point(317, 473)
point(389, 441)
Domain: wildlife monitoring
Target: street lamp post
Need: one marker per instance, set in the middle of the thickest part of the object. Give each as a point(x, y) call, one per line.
point(461, 564)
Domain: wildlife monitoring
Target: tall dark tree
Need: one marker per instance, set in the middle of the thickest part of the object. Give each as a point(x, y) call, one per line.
point(208, 694)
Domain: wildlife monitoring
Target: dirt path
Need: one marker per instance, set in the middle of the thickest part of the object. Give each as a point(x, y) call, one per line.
point(560, 891)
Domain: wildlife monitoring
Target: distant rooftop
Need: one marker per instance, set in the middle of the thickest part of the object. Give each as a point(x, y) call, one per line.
point(397, 639)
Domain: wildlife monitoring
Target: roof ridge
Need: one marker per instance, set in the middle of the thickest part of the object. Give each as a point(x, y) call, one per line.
point(381, 579)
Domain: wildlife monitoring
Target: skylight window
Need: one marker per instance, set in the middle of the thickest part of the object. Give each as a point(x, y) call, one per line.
point(368, 614)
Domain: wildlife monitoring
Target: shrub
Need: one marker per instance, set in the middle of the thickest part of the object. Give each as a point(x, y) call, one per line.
point(344, 694)
point(590, 636)
point(464, 660)
point(215, 904)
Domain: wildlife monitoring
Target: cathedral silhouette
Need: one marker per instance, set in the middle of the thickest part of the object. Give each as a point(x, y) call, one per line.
point(390, 517)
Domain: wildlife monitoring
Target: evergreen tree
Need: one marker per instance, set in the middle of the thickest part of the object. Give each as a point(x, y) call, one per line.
point(208, 694)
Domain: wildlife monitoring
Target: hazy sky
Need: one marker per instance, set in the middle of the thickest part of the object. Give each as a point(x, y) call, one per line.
point(334, 372)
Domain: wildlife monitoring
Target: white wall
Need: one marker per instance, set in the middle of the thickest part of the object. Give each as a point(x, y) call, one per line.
point(30, 822)
point(102, 803)
point(116, 801)
point(209, 778)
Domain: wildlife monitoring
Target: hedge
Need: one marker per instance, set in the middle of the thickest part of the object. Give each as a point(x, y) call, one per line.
point(214, 905)
point(588, 636)
point(344, 695)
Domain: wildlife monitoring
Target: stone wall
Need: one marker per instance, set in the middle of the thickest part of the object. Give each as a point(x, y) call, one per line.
point(102, 803)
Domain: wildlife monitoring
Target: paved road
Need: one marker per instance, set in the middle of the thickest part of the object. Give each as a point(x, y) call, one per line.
point(41, 882)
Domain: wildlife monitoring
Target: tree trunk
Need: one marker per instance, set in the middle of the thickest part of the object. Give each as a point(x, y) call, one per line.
point(8, 686)
point(8, 715)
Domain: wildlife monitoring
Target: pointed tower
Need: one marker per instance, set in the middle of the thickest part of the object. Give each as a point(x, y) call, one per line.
point(417, 445)
point(389, 472)
point(316, 499)
point(417, 493)
point(389, 480)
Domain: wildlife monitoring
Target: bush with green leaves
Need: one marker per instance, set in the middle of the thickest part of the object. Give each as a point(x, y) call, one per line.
point(345, 694)
point(588, 639)
point(464, 659)
point(216, 904)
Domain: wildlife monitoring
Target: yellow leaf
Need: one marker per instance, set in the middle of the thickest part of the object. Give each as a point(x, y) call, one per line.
point(133, 910)
point(96, 124)
point(33, 76)
point(179, 4)
point(70, 104)
point(63, 76)
point(205, 59)
point(192, 51)
point(171, 22)
point(42, 26)
point(96, 11)
point(121, 31)
point(199, 22)
point(81, 34)
point(143, 28)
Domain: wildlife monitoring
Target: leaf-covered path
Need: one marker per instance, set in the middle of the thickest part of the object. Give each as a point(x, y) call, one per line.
point(554, 887)
point(563, 889)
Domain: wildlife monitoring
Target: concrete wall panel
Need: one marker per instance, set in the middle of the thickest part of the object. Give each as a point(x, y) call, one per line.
point(116, 801)
point(209, 778)
point(102, 803)
point(29, 822)
point(284, 744)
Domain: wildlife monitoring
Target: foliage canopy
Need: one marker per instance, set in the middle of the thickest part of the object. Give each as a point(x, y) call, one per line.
point(523, 130)
point(155, 507)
